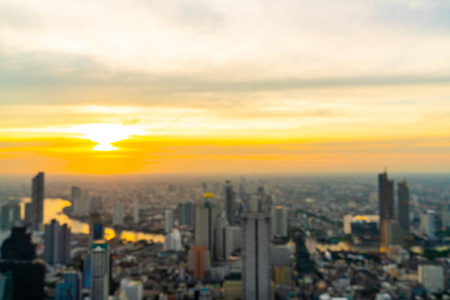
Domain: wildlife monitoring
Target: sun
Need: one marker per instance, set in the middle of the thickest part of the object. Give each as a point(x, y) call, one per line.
point(107, 133)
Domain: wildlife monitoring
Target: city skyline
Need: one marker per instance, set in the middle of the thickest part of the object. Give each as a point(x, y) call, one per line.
point(202, 88)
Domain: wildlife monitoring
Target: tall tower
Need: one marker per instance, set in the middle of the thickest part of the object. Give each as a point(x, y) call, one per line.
point(186, 213)
point(220, 252)
point(403, 206)
point(57, 243)
point(136, 210)
point(76, 194)
point(168, 221)
point(279, 221)
point(96, 227)
point(99, 270)
point(18, 256)
point(229, 197)
point(386, 197)
point(37, 200)
point(69, 287)
point(205, 224)
point(118, 214)
point(256, 257)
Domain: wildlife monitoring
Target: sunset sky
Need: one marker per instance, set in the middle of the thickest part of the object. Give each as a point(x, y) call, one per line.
point(242, 87)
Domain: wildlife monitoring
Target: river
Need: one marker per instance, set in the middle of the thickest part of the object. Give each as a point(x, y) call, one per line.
point(53, 209)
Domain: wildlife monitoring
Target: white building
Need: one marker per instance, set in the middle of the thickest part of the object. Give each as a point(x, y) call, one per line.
point(168, 218)
point(279, 221)
point(256, 272)
point(99, 270)
point(431, 277)
point(133, 289)
point(427, 223)
point(172, 241)
point(118, 213)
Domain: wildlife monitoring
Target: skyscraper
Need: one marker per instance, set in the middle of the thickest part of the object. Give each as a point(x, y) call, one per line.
point(28, 213)
point(5, 216)
point(37, 200)
point(186, 213)
point(427, 223)
point(136, 210)
point(6, 286)
point(386, 197)
point(99, 270)
point(10, 215)
point(70, 287)
point(57, 243)
point(279, 221)
point(76, 194)
point(403, 206)
point(96, 227)
point(256, 257)
point(199, 261)
point(205, 224)
point(118, 214)
point(220, 252)
point(229, 198)
point(18, 256)
point(168, 219)
point(391, 234)
point(133, 289)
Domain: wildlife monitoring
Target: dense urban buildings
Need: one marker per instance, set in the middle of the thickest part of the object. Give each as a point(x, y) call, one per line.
point(299, 238)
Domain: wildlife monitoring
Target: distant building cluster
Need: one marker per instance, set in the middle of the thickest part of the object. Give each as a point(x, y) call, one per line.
point(317, 239)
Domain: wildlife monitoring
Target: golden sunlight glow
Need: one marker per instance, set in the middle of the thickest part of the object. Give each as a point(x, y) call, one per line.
point(107, 133)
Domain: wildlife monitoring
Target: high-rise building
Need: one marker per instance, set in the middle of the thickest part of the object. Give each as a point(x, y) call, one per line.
point(96, 203)
point(280, 221)
point(403, 206)
point(432, 278)
point(10, 215)
point(133, 289)
point(303, 263)
point(261, 195)
point(199, 262)
point(172, 241)
point(18, 256)
point(168, 218)
point(5, 217)
point(96, 227)
point(118, 214)
point(205, 222)
point(6, 286)
point(391, 234)
point(256, 256)
point(57, 243)
point(76, 194)
point(37, 201)
point(136, 210)
point(186, 213)
point(230, 201)
point(220, 249)
point(386, 197)
point(28, 213)
point(70, 286)
point(427, 223)
point(100, 270)
point(81, 201)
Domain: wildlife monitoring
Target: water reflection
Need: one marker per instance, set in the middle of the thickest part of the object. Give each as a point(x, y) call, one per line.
point(53, 210)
